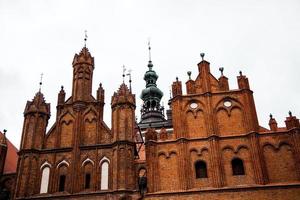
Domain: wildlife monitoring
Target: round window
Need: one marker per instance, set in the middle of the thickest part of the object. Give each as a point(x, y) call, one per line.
point(193, 105)
point(227, 103)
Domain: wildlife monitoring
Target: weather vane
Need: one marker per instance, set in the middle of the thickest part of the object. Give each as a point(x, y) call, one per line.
point(124, 70)
point(149, 48)
point(85, 37)
point(41, 82)
point(129, 74)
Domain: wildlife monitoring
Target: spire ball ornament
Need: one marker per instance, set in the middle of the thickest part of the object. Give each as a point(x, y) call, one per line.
point(221, 69)
point(189, 73)
point(202, 55)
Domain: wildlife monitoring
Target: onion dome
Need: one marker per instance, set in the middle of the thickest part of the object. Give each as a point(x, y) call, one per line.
point(151, 95)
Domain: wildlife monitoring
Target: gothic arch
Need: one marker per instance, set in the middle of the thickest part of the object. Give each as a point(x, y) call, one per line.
point(45, 177)
point(45, 164)
point(66, 130)
point(230, 120)
point(166, 163)
point(280, 162)
point(63, 162)
point(162, 153)
point(235, 101)
point(104, 173)
point(104, 159)
point(241, 152)
point(87, 160)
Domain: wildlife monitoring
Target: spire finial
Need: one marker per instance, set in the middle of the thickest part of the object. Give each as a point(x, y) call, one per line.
point(290, 113)
point(149, 48)
point(202, 55)
point(241, 74)
point(189, 73)
point(176, 78)
point(41, 82)
point(85, 37)
point(129, 74)
point(271, 116)
point(124, 70)
point(4, 132)
point(221, 69)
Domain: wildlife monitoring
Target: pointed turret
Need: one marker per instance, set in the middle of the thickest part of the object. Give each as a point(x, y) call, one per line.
point(273, 123)
point(190, 84)
point(176, 88)
point(123, 117)
point(60, 101)
point(223, 81)
point(292, 121)
point(123, 130)
point(100, 99)
point(61, 96)
point(243, 81)
point(36, 114)
point(83, 66)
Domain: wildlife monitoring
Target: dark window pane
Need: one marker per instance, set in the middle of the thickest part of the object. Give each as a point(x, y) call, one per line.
point(237, 167)
point(200, 168)
point(62, 181)
point(87, 181)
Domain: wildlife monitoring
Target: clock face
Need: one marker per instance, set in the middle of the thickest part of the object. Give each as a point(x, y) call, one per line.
point(227, 103)
point(193, 105)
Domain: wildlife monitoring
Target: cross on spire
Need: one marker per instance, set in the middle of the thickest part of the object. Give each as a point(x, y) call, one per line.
point(41, 82)
point(85, 37)
point(129, 74)
point(149, 48)
point(124, 70)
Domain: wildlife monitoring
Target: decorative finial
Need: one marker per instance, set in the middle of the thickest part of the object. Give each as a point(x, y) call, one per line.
point(271, 116)
point(202, 55)
point(85, 37)
point(129, 74)
point(41, 82)
point(290, 113)
point(241, 74)
point(149, 48)
point(189, 73)
point(62, 87)
point(221, 69)
point(176, 78)
point(4, 132)
point(124, 70)
point(100, 85)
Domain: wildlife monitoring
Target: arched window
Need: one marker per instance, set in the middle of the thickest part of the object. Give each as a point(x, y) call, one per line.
point(62, 182)
point(45, 180)
point(87, 184)
point(200, 169)
point(62, 175)
point(237, 167)
point(104, 175)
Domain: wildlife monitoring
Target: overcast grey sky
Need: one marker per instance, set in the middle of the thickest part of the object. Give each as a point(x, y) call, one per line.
point(261, 38)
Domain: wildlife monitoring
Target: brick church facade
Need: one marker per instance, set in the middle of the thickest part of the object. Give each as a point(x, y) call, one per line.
point(210, 146)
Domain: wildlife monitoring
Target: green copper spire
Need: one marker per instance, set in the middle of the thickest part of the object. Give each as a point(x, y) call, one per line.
point(151, 95)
